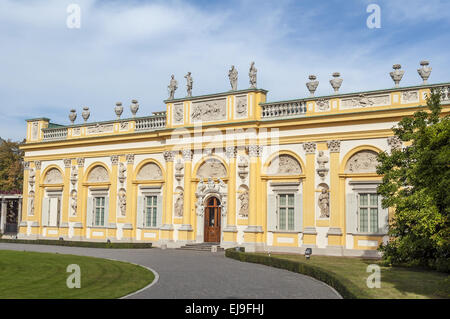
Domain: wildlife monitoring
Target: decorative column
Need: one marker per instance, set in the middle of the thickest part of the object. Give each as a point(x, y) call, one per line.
point(19, 213)
point(335, 234)
point(24, 205)
point(167, 227)
point(37, 198)
point(111, 222)
point(129, 228)
point(253, 229)
point(3, 217)
point(65, 202)
point(230, 230)
point(309, 229)
point(81, 200)
point(185, 231)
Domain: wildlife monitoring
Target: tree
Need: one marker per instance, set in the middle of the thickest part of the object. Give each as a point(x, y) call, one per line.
point(416, 183)
point(11, 168)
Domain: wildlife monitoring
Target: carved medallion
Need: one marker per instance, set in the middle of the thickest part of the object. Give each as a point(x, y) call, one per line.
point(212, 168)
point(149, 171)
point(362, 162)
point(53, 176)
point(284, 165)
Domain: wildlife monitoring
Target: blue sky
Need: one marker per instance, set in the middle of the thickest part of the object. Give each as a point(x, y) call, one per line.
point(129, 49)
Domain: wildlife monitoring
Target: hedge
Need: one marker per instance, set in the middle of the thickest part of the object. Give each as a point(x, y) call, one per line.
point(321, 274)
point(77, 243)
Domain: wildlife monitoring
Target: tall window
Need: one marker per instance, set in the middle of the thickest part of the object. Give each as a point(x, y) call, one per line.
point(99, 211)
point(368, 213)
point(286, 211)
point(150, 211)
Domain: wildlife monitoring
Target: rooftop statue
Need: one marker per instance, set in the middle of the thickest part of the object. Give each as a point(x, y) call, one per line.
point(189, 82)
point(252, 75)
point(233, 76)
point(172, 87)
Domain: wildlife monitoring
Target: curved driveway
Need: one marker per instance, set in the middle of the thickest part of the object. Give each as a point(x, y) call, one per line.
point(199, 275)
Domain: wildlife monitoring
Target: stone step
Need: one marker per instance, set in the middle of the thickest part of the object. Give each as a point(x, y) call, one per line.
point(201, 247)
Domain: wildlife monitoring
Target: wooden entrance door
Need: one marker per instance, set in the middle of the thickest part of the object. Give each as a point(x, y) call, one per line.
point(212, 220)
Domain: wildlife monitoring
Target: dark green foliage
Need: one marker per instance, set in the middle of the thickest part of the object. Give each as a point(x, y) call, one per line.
point(323, 275)
point(11, 168)
point(416, 183)
point(76, 243)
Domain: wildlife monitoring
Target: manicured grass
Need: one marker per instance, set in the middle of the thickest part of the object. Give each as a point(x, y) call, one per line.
point(69, 243)
point(396, 282)
point(44, 275)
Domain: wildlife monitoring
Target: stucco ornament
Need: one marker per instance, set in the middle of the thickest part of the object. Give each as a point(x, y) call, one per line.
point(122, 196)
point(424, 71)
point(243, 167)
point(149, 171)
point(336, 81)
point(67, 162)
point(73, 202)
point(243, 202)
point(212, 168)
point(74, 175)
point(252, 75)
point(31, 177)
point(322, 160)
point(53, 176)
point(334, 146)
point(323, 105)
point(213, 110)
point(173, 85)
point(230, 151)
point(410, 96)
point(169, 156)
point(204, 190)
point(312, 84)
point(80, 161)
point(114, 159)
point(284, 165)
point(397, 74)
point(122, 171)
point(189, 83)
point(178, 112)
point(324, 203)
point(99, 174)
point(241, 106)
point(362, 162)
point(38, 165)
point(233, 76)
point(31, 199)
point(179, 204)
point(309, 147)
point(118, 109)
point(130, 158)
point(179, 170)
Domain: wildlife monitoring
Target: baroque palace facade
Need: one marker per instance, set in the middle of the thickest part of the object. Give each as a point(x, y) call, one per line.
point(228, 167)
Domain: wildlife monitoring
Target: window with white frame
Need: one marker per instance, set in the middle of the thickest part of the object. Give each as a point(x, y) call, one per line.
point(368, 212)
point(150, 211)
point(99, 211)
point(286, 211)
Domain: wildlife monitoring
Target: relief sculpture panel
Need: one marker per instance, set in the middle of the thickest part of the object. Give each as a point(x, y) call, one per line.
point(208, 111)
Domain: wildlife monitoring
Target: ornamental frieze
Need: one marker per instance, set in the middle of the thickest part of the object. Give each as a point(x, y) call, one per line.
point(207, 111)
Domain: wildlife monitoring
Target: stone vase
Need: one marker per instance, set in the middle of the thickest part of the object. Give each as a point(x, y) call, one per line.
point(86, 113)
point(134, 107)
point(118, 109)
point(72, 115)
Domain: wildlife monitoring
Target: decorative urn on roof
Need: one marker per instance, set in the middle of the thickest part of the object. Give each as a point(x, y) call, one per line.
point(72, 116)
point(424, 71)
point(86, 113)
point(134, 107)
point(312, 84)
point(397, 74)
point(118, 109)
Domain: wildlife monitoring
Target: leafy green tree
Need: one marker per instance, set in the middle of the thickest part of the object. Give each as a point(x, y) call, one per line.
point(11, 168)
point(416, 183)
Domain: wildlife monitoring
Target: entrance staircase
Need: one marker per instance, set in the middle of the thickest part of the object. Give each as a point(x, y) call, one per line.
point(201, 247)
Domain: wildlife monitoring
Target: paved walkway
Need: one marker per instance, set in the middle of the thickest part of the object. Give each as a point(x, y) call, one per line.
point(199, 275)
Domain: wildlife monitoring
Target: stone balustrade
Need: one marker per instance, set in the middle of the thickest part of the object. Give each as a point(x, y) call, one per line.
point(51, 134)
point(153, 122)
point(283, 109)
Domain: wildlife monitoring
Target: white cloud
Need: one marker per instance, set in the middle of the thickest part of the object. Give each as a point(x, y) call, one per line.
point(125, 51)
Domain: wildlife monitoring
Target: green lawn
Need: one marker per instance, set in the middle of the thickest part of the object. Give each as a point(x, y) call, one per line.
point(43, 275)
point(396, 282)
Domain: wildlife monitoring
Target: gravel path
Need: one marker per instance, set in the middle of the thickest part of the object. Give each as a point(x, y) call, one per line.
point(199, 275)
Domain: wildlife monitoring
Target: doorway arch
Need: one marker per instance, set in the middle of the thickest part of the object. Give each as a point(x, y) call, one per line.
point(212, 220)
